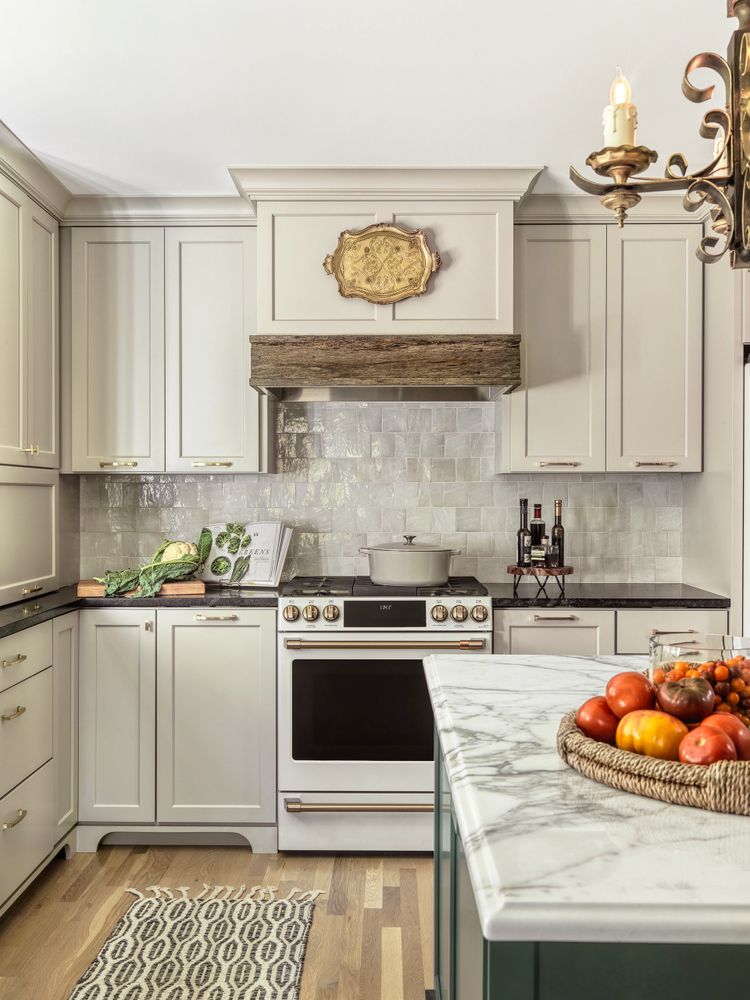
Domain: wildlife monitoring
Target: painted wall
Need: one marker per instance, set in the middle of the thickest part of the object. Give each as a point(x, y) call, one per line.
point(352, 474)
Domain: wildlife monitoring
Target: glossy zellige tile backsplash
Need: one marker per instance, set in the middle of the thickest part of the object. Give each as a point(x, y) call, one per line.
point(353, 474)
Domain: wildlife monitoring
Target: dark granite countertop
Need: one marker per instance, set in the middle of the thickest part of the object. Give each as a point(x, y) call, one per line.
point(606, 595)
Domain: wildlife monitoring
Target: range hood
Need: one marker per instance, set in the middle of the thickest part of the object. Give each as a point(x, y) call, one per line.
point(385, 368)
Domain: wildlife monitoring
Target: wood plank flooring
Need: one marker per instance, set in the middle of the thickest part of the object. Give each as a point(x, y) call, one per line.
point(371, 938)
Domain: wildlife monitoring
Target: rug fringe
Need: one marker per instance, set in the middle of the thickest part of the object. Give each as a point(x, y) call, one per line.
point(227, 893)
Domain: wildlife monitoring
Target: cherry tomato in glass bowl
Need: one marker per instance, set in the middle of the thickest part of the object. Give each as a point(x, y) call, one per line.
point(705, 745)
point(735, 729)
point(629, 692)
point(597, 720)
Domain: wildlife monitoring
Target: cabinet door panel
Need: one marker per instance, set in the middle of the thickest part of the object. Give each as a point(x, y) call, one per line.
point(117, 717)
point(216, 708)
point(29, 563)
point(561, 632)
point(556, 420)
point(12, 327)
point(118, 349)
point(634, 627)
point(213, 416)
point(65, 725)
point(42, 260)
point(654, 348)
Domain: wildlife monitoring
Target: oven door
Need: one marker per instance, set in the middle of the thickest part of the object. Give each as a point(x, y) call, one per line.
point(354, 712)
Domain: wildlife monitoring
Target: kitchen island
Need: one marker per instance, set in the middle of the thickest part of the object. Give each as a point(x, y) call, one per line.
point(550, 886)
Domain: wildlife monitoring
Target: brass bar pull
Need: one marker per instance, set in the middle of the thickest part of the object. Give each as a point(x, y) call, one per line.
point(31, 590)
point(555, 618)
point(20, 710)
point(212, 465)
point(118, 465)
point(20, 815)
point(296, 806)
point(216, 618)
point(18, 658)
point(655, 465)
point(384, 644)
point(561, 465)
point(684, 631)
point(33, 449)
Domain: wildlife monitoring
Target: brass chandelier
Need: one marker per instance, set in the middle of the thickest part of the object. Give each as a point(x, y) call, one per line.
point(723, 186)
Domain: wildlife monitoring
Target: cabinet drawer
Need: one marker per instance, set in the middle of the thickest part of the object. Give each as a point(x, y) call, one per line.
point(30, 807)
point(634, 628)
point(25, 653)
point(25, 729)
point(555, 631)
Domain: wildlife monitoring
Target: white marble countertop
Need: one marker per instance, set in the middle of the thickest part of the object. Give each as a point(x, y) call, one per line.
point(554, 856)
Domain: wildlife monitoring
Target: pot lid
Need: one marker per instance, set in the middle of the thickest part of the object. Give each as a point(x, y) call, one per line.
point(408, 545)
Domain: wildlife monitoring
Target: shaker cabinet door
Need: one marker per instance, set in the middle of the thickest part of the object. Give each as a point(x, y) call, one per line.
point(65, 723)
point(555, 632)
point(12, 327)
point(654, 349)
point(41, 238)
point(29, 562)
point(555, 422)
point(213, 415)
point(117, 303)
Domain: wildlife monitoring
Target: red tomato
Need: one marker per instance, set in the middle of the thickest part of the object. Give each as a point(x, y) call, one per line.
point(705, 745)
point(736, 730)
point(629, 692)
point(596, 719)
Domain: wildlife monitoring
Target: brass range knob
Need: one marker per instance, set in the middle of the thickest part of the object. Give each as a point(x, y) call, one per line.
point(310, 613)
point(331, 612)
point(291, 613)
point(439, 613)
point(459, 613)
point(479, 613)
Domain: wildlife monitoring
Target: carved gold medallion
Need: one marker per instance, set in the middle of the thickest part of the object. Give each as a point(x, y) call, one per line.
point(382, 263)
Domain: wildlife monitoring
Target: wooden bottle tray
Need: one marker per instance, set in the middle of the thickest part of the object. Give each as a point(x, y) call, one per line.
point(542, 575)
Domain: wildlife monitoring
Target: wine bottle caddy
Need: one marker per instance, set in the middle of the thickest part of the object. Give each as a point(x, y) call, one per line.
point(542, 575)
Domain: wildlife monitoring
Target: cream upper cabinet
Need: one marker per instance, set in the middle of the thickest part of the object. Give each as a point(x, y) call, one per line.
point(556, 422)
point(654, 348)
point(117, 303)
point(213, 415)
point(29, 514)
point(472, 292)
point(216, 734)
point(28, 331)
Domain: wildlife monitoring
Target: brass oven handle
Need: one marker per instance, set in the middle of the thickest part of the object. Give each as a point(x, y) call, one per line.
point(212, 465)
point(20, 710)
point(31, 590)
point(132, 464)
point(18, 658)
point(20, 815)
point(655, 465)
point(562, 465)
point(383, 644)
point(216, 618)
point(555, 618)
point(296, 806)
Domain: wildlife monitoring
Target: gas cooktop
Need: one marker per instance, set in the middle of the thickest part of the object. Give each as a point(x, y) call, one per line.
point(362, 586)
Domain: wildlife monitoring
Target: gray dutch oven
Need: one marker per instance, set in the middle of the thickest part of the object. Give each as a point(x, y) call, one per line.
point(404, 564)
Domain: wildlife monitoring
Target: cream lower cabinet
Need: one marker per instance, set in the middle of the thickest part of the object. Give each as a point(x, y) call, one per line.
point(555, 632)
point(635, 627)
point(216, 697)
point(29, 514)
point(65, 719)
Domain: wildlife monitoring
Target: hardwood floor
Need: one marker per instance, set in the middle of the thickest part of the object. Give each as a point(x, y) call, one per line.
point(371, 938)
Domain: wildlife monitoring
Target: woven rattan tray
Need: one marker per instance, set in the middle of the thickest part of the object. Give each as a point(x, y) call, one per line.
point(722, 787)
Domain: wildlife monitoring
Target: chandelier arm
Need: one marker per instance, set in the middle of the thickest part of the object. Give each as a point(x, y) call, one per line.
point(706, 60)
point(714, 121)
point(698, 194)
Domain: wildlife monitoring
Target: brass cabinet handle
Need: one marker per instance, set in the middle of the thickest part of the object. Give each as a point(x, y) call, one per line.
point(383, 644)
point(655, 465)
point(33, 449)
point(20, 815)
point(684, 631)
point(562, 465)
point(20, 710)
point(18, 658)
point(31, 590)
point(555, 618)
point(118, 465)
point(212, 465)
point(216, 618)
point(297, 806)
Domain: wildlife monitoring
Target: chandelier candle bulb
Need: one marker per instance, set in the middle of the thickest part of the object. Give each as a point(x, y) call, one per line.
point(620, 115)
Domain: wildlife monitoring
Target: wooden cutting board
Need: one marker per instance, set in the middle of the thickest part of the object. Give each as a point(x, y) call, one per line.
point(179, 588)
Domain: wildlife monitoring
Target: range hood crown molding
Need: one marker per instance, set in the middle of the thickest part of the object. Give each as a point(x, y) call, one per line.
point(337, 183)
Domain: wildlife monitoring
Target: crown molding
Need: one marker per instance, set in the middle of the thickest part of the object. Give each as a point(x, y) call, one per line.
point(100, 210)
point(26, 170)
point(585, 208)
point(321, 183)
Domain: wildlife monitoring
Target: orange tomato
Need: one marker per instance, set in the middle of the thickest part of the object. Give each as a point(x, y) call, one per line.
point(651, 733)
point(659, 676)
point(722, 672)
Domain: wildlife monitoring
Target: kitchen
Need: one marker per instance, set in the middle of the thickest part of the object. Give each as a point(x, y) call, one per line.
point(341, 394)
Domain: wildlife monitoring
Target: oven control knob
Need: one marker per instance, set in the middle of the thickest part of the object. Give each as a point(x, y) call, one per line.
point(479, 613)
point(291, 613)
point(310, 612)
point(439, 613)
point(330, 612)
point(459, 613)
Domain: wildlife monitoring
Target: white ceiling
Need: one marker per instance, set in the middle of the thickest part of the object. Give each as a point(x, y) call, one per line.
point(159, 97)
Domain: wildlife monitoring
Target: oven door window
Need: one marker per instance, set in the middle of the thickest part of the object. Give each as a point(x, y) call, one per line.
point(356, 709)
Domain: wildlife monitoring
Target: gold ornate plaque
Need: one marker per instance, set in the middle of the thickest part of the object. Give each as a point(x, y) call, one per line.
point(382, 263)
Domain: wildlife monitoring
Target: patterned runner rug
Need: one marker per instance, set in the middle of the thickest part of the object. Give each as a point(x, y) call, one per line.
point(223, 944)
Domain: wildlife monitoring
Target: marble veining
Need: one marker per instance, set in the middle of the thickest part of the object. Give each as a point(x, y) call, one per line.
point(555, 856)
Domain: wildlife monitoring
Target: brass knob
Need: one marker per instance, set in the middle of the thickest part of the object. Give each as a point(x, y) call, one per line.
point(310, 612)
point(479, 613)
point(291, 613)
point(459, 613)
point(439, 613)
point(330, 612)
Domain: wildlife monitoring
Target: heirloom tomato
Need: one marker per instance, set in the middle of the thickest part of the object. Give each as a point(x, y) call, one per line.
point(690, 699)
point(596, 719)
point(705, 745)
point(735, 729)
point(629, 692)
point(651, 733)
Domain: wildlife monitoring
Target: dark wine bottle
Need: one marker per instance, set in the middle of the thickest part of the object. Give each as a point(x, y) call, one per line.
point(557, 537)
point(537, 528)
point(523, 555)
